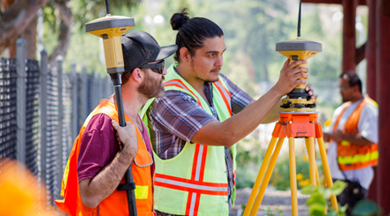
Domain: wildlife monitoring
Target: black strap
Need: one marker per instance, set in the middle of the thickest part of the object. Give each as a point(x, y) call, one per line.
point(127, 186)
point(345, 177)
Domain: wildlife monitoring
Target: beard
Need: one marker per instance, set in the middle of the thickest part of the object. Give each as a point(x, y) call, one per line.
point(151, 87)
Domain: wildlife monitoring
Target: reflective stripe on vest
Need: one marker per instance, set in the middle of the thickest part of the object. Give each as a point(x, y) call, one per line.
point(194, 186)
point(234, 177)
point(225, 94)
point(178, 83)
point(350, 156)
point(191, 185)
point(196, 181)
point(116, 203)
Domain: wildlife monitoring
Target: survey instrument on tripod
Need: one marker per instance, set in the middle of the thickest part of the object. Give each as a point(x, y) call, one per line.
point(297, 120)
point(295, 50)
point(110, 29)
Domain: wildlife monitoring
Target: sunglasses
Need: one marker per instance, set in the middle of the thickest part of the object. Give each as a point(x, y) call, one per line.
point(157, 67)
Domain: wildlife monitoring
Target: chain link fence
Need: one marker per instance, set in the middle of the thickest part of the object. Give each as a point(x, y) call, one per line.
point(8, 125)
point(42, 109)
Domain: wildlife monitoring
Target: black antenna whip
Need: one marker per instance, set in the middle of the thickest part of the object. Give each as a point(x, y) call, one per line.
point(299, 19)
point(108, 7)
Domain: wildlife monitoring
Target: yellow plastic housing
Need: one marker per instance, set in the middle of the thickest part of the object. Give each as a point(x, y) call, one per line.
point(302, 54)
point(110, 28)
point(298, 49)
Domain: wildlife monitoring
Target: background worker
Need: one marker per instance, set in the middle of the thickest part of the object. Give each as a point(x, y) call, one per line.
point(353, 141)
point(194, 127)
point(98, 162)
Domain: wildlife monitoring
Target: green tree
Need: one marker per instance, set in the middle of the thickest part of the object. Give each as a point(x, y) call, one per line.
point(16, 19)
point(86, 50)
point(252, 28)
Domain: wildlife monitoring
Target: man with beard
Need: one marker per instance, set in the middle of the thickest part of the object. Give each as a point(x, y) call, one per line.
point(98, 160)
point(353, 141)
point(194, 127)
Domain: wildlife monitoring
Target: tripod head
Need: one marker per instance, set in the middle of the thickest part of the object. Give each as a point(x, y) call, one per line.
point(298, 99)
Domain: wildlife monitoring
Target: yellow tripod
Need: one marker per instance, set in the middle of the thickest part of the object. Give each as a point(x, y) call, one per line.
point(292, 125)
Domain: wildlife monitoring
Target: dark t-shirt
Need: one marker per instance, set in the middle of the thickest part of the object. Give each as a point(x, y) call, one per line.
point(99, 146)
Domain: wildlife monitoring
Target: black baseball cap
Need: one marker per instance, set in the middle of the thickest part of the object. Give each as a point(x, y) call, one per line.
point(139, 48)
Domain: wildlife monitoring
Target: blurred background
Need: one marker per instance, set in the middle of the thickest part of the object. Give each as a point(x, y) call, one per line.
point(251, 27)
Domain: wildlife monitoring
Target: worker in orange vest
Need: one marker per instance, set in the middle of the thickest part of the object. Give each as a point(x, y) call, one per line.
point(353, 148)
point(98, 160)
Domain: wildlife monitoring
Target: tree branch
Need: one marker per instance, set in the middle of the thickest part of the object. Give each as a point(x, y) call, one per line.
point(66, 18)
point(15, 20)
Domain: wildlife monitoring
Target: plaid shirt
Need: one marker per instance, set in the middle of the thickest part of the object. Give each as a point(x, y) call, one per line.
point(176, 117)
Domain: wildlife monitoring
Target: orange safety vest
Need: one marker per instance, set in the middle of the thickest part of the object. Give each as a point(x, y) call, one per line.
point(349, 155)
point(116, 203)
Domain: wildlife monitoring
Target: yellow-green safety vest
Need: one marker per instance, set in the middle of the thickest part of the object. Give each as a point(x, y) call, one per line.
point(194, 182)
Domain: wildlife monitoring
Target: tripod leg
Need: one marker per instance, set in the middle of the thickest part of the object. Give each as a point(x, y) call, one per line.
point(317, 182)
point(312, 159)
point(317, 176)
point(267, 177)
point(260, 176)
point(328, 176)
point(293, 177)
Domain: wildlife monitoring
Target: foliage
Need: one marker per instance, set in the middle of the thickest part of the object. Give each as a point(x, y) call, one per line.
point(325, 67)
point(366, 208)
point(249, 151)
point(84, 49)
point(249, 155)
point(86, 10)
point(280, 178)
point(319, 201)
point(274, 212)
point(251, 31)
point(251, 27)
point(268, 211)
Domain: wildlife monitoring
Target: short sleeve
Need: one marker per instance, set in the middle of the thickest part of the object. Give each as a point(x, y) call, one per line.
point(368, 123)
point(97, 148)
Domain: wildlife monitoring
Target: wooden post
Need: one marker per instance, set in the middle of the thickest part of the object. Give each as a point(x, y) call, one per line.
point(349, 35)
point(371, 50)
point(371, 76)
point(383, 89)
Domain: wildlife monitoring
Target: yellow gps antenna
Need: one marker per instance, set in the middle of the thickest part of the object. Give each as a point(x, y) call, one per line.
point(110, 28)
point(298, 99)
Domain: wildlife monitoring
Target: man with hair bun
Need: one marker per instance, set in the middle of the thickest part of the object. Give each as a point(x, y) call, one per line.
point(194, 126)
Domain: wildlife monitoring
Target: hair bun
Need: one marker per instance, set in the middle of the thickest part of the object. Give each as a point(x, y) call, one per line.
point(179, 19)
